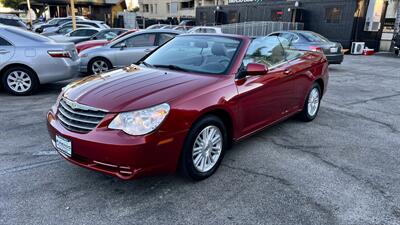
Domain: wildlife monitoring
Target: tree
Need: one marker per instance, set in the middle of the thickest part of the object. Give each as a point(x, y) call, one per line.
point(18, 4)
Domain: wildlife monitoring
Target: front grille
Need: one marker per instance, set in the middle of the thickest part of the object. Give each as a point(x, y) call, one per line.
point(77, 117)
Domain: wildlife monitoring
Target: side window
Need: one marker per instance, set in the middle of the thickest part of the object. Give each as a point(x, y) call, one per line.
point(265, 50)
point(4, 42)
point(77, 33)
point(163, 37)
point(210, 31)
point(90, 32)
point(289, 37)
point(141, 40)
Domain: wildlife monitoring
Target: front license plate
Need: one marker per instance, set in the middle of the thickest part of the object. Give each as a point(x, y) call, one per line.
point(64, 145)
point(334, 50)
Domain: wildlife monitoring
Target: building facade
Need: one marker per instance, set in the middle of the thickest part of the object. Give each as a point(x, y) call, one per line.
point(342, 21)
point(163, 9)
point(104, 10)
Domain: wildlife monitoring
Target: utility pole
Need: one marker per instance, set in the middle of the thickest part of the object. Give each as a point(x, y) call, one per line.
point(397, 23)
point(72, 14)
point(29, 12)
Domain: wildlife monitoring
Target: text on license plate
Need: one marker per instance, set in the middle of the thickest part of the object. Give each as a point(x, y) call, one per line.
point(333, 50)
point(64, 145)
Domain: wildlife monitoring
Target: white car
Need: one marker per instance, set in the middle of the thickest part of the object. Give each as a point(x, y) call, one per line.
point(76, 35)
point(207, 30)
point(92, 23)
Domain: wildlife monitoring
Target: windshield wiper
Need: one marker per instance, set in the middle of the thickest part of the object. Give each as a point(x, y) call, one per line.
point(171, 67)
point(146, 64)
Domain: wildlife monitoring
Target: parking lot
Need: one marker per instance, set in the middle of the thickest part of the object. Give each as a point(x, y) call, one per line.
point(342, 168)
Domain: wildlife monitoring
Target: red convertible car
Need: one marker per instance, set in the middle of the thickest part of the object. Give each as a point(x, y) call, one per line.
point(93, 43)
point(185, 104)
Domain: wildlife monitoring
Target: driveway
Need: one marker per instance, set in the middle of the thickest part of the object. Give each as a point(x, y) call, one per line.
point(342, 168)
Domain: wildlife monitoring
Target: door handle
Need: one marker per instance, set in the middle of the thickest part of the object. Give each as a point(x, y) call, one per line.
point(2, 51)
point(288, 72)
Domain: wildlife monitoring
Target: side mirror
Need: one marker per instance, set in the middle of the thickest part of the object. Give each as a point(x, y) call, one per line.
point(254, 69)
point(122, 45)
point(94, 38)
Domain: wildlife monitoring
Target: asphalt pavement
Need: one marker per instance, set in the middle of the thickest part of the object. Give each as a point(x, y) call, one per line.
point(342, 168)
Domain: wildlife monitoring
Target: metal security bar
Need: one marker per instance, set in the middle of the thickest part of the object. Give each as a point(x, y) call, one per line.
point(259, 28)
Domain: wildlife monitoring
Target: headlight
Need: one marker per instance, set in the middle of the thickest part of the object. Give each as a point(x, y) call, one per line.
point(142, 121)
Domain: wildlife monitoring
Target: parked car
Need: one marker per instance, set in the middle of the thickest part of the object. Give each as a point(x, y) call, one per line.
point(186, 103)
point(55, 22)
point(310, 41)
point(205, 30)
point(93, 43)
point(156, 26)
point(124, 51)
point(76, 35)
point(105, 34)
point(92, 23)
point(187, 23)
point(28, 59)
point(12, 20)
point(64, 30)
point(182, 28)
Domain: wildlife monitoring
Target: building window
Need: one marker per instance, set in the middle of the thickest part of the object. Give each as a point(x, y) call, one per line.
point(151, 8)
point(168, 8)
point(145, 8)
point(333, 15)
point(155, 8)
point(187, 5)
point(233, 17)
point(276, 15)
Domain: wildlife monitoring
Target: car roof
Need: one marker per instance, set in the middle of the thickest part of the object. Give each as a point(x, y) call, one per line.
point(159, 31)
point(217, 35)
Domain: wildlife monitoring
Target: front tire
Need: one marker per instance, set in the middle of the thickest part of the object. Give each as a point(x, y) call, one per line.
point(204, 148)
point(19, 80)
point(99, 65)
point(312, 104)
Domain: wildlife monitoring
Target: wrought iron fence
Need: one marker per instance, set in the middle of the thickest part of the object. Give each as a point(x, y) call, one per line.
point(259, 28)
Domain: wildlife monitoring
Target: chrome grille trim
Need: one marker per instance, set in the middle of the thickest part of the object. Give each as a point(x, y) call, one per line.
point(78, 117)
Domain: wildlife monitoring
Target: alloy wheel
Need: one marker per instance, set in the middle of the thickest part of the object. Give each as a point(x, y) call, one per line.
point(99, 66)
point(19, 81)
point(207, 148)
point(313, 102)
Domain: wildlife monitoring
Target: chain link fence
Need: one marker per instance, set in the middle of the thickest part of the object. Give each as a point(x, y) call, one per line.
point(259, 28)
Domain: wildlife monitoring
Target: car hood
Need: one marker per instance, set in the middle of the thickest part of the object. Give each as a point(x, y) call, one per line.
point(134, 88)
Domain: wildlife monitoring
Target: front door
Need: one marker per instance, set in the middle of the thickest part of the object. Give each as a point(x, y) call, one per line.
point(263, 99)
point(135, 48)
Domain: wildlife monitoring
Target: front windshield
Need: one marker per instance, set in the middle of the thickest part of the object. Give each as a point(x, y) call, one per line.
point(201, 54)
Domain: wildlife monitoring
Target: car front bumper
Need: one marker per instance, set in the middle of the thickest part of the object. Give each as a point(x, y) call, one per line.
point(116, 153)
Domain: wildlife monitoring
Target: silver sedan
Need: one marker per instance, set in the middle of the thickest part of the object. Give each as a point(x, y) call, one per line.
point(123, 51)
point(28, 59)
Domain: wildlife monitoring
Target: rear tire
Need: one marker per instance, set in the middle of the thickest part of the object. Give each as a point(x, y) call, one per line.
point(204, 148)
point(19, 80)
point(311, 104)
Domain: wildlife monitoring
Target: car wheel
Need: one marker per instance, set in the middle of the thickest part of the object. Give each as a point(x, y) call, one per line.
point(312, 103)
point(99, 65)
point(204, 148)
point(20, 81)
